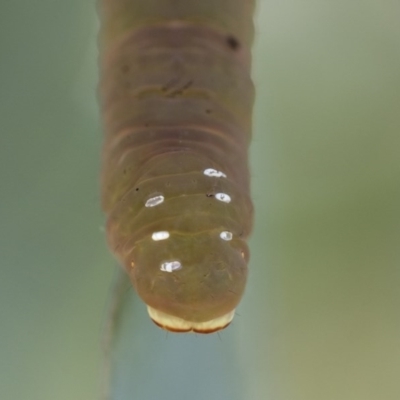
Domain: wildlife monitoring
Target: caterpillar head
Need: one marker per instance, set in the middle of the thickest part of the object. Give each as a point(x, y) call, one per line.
point(190, 281)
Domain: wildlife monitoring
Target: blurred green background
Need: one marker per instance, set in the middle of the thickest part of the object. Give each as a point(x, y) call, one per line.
point(320, 319)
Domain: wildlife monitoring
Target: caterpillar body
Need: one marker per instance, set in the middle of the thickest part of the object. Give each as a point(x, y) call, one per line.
point(176, 99)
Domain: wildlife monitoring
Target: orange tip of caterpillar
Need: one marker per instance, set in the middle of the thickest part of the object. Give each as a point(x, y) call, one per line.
point(179, 325)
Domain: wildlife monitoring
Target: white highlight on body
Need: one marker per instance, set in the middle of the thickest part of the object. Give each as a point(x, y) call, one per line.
point(154, 201)
point(170, 266)
point(213, 172)
point(225, 235)
point(223, 197)
point(161, 235)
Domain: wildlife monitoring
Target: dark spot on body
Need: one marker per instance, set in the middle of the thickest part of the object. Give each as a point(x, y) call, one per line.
point(208, 111)
point(174, 87)
point(137, 189)
point(188, 84)
point(232, 42)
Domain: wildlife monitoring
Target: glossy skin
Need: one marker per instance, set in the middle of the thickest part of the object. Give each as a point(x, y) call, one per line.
point(176, 98)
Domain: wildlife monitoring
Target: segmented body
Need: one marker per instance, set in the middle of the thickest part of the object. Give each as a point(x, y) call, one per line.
point(176, 98)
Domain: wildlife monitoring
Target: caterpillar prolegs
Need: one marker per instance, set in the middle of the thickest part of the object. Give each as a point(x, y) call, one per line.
point(176, 99)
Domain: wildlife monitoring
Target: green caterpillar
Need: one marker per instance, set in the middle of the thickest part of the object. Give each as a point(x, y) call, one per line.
point(176, 98)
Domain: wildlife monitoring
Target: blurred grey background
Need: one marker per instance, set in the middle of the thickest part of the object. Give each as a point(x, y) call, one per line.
point(320, 319)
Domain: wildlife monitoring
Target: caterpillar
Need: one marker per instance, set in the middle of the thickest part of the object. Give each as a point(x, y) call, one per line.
point(176, 98)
